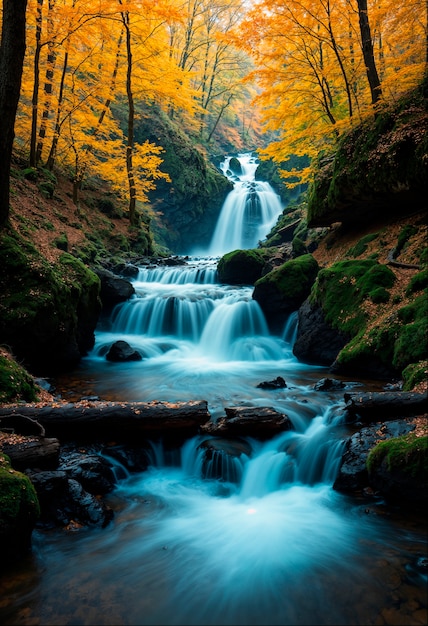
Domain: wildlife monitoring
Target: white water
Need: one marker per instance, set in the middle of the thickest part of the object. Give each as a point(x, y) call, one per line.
point(250, 211)
point(253, 538)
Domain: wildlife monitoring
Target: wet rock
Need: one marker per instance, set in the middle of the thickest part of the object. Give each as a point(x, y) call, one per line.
point(121, 351)
point(353, 475)
point(278, 383)
point(114, 289)
point(329, 384)
point(259, 422)
point(92, 471)
point(64, 500)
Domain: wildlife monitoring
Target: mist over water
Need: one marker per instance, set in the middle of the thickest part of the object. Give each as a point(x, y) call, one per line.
point(257, 537)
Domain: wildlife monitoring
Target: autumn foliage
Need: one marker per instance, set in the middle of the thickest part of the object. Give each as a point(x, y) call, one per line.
point(323, 66)
point(311, 69)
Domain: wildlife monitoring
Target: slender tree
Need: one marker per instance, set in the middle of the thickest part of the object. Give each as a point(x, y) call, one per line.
point(368, 54)
point(12, 51)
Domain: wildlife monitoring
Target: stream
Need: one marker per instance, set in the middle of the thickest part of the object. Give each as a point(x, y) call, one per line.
point(269, 542)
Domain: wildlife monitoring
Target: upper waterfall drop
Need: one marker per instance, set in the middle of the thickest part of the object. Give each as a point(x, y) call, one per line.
point(249, 212)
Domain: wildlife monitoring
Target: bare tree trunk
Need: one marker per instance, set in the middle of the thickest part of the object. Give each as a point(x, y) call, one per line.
point(368, 53)
point(35, 98)
point(12, 51)
point(131, 114)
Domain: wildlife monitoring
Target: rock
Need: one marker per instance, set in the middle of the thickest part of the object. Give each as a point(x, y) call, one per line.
point(19, 511)
point(317, 342)
point(221, 459)
point(121, 351)
point(260, 422)
point(92, 471)
point(329, 384)
point(240, 267)
point(63, 501)
point(353, 475)
point(285, 288)
point(278, 383)
point(114, 289)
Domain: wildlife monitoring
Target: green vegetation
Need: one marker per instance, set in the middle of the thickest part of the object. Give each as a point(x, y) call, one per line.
point(17, 495)
point(16, 384)
point(41, 304)
point(362, 245)
point(341, 289)
point(414, 374)
point(292, 282)
point(407, 454)
point(241, 267)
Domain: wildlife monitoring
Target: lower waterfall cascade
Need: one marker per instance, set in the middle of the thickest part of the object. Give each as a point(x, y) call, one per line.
point(256, 538)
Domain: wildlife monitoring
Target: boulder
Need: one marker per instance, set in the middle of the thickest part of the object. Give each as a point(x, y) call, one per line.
point(64, 502)
point(317, 342)
point(114, 289)
point(121, 351)
point(19, 511)
point(240, 267)
point(353, 475)
point(285, 288)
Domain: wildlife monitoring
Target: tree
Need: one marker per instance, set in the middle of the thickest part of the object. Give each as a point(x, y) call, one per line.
point(368, 54)
point(12, 51)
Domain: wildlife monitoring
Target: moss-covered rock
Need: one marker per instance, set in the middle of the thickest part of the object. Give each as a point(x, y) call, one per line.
point(15, 382)
point(19, 511)
point(414, 374)
point(48, 312)
point(379, 168)
point(284, 289)
point(351, 294)
point(398, 468)
point(241, 267)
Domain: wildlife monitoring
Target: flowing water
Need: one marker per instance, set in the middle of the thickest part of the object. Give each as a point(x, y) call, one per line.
point(256, 538)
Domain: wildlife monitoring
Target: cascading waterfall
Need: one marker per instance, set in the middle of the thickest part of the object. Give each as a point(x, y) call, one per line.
point(249, 533)
point(250, 211)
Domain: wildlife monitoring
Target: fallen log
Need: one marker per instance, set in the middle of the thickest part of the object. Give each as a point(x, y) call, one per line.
point(25, 452)
point(385, 405)
point(248, 421)
point(113, 419)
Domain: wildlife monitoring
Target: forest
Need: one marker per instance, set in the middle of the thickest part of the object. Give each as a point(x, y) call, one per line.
point(289, 79)
point(213, 312)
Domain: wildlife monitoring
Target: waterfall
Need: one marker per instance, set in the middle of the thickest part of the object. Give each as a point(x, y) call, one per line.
point(220, 531)
point(249, 212)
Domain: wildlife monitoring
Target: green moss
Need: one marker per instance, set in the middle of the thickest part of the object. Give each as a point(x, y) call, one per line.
point(405, 234)
point(418, 282)
point(407, 454)
point(61, 242)
point(241, 266)
point(414, 374)
point(294, 278)
point(15, 382)
point(399, 341)
point(361, 246)
point(298, 247)
point(411, 344)
point(41, 303)
point(17, 494)
point(341, 289)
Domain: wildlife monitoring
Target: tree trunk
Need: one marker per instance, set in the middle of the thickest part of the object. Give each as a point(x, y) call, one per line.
point(117, 420)
point(35, 98)
point(368, 53)
point(12, 51)
point(131, 115)
point(383, 405)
